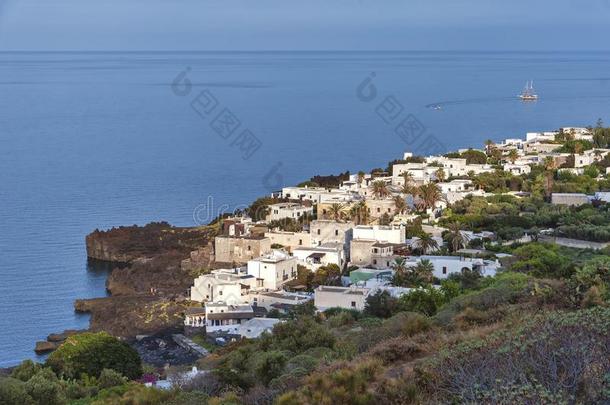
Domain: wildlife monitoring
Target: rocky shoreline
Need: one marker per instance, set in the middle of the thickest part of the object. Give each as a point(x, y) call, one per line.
point(152, 268)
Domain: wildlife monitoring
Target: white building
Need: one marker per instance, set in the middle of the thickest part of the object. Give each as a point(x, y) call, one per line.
point(318, 194)
point(255, 327)
point(454, 186)
point(420, 172)
point(273, 270)
point(380, 233)
point(280, 300)
point(228, 285)
point(326, 297)
point(222, 317)
point(288, 210)
point(444, 266)
point(517, 169)
point(325, 254)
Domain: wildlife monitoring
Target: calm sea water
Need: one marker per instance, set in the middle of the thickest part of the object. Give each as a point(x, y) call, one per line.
point(95, 140)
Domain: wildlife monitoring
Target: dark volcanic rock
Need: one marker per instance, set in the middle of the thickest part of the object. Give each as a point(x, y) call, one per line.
point(147, 294)
point(162, 350)
point(128, 316)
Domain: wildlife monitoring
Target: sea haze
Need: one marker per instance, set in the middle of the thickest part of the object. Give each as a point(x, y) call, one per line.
point(95, 140)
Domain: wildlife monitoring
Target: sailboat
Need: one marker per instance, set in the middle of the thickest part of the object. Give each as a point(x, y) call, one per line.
point(528, 92)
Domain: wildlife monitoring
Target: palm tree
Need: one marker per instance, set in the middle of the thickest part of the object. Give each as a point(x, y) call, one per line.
point(488, 146)
point(549, 163)
point(440, 174)
point(408, 189)
point(408, 177)
point(360, 177)
point(380, 189)
point(336, 211)
point(426, 243)
point(457, 238)
point(430, 194)
point(360, 213)
point(400, 268)
point(513, 155)
point(424, 271)
point(401, 204)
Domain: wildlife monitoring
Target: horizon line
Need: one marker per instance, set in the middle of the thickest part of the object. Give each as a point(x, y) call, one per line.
point(305, 51)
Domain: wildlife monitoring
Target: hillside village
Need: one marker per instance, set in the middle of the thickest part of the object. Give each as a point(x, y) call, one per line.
point(479, 276)
point(393, 230)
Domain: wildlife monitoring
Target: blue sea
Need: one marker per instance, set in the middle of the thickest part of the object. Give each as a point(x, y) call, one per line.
point(95, 140)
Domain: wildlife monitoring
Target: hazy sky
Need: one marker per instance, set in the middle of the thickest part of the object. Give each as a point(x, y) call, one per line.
point(304, 24)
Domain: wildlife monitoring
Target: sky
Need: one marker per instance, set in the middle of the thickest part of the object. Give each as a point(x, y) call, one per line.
point(105, 25)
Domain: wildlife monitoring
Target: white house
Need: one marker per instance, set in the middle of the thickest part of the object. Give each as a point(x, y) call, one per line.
point(444, 266)
point(380, 233)
point(228, 285)
point(255, 327)
point(280, 300)
point(288, 210)
point(326, 297)
point(325, 254)
point(222, 317)
point(454, 186)
point(517, 169)
point(273, 270)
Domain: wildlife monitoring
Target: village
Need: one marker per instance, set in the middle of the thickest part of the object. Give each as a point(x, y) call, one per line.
point(336, 246)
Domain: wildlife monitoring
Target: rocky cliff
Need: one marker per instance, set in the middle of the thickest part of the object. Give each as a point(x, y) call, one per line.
point(148, 290)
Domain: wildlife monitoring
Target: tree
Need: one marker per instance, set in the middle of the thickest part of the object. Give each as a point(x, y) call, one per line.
point(513, 155)
point(407, 177)
point(426, 243)
point(361, 175)
point(360, 213)
point(400, 268)
point(440, 174)
point(380, 189)
point(423, 272)
point(429, 194)
point(90, 353)
point(380, 304)
point(400, 204)
point(457, 239)
point(336, 211)
point(327, 275)
point(489, 144)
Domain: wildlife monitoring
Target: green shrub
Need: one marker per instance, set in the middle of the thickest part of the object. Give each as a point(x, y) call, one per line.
point(26, 370)
point(110, 378)
point(44, 388)
point(90, 353)
point(13, 392)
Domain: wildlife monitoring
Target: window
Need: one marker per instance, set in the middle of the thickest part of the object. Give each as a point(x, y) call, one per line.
point(249, 248)
point(300, 241)
point(318, 231)
point(444, 269)
point(220, 292)
point(336, 232)
point(378, 209)
point(374, 261)
point(353, 304)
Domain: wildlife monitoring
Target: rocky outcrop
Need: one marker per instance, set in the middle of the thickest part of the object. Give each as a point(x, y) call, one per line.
point(201, 258)
point(128, 243)
point(45, 347)
point(54, 340)
point(148, 292)
point(129, 316)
